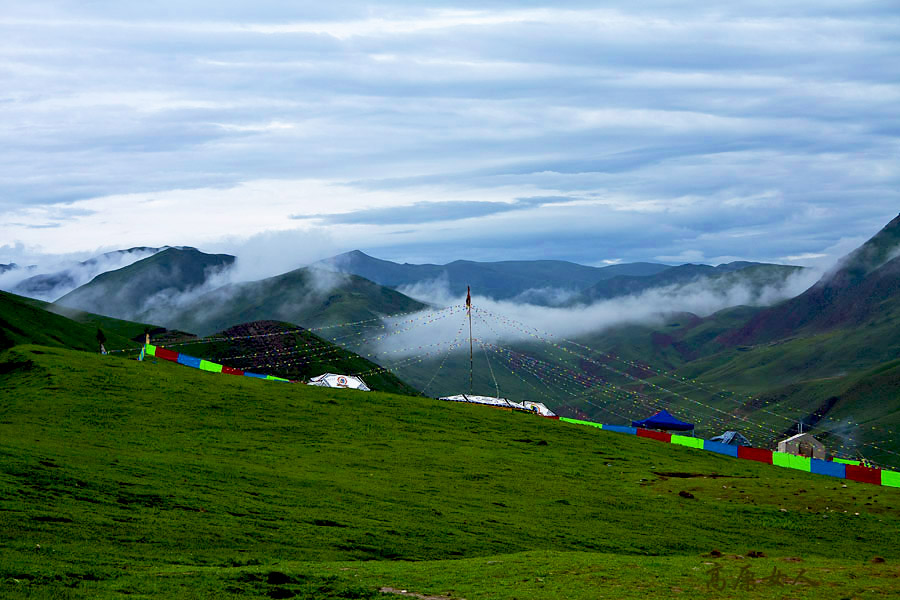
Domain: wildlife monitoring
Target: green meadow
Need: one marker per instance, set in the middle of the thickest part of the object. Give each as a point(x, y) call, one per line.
point(147, 479)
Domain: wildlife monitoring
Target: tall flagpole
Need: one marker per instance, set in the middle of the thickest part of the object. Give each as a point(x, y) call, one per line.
point(471, 357)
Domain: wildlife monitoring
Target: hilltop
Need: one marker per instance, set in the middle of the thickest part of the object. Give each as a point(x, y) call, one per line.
point(120, 477)
point(304, 296)
point(149, 287)
point(51, 286)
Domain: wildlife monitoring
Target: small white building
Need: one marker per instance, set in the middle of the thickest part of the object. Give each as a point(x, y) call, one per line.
point(350, 382)
point(803, 444)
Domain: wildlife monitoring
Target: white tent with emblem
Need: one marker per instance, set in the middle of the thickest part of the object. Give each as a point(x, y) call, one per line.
point(333, 380)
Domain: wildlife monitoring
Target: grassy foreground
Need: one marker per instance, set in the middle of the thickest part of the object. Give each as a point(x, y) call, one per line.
point(120, 478)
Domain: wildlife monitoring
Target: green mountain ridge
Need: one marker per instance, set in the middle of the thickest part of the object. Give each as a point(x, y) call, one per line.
point(826, 358)
point(54, 285)
point(500, 280)
point(307, 297)
point(865, 286)
point(174, 288)
point(124, 293)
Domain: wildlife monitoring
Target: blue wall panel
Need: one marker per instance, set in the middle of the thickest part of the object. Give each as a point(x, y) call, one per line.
point(824, 467)
point(189, 361)
point(620, 429)
point(720, 448)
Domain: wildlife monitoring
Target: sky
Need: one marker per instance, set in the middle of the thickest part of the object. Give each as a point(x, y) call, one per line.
point(428, 132)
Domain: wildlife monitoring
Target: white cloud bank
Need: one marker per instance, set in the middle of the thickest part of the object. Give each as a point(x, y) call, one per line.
point(652, 307)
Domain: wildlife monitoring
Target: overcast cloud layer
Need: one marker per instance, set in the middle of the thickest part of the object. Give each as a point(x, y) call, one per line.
point(493, 130)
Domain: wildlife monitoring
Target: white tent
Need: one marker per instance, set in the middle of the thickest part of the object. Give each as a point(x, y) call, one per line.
point(535, 407)
point(489, 400)
point(539, 408)
point(332, 380)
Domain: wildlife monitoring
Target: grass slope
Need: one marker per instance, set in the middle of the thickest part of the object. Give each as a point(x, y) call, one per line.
point(24, 321)
point(284, 350)
point(154, 480)
point(120, 327)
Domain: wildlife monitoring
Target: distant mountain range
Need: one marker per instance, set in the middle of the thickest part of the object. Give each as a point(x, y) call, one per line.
point(757, 276)
point(551, 282)
point(186, 289)
point(500, 280)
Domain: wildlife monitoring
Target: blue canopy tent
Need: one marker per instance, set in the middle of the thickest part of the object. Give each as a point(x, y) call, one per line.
point(663, 420)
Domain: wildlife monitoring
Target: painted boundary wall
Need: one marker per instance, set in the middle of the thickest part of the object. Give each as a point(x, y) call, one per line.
point(203, 365)
point(841, 468)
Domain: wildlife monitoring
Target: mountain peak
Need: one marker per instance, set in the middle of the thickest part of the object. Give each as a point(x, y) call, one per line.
point(878, 250)
point(864, 282)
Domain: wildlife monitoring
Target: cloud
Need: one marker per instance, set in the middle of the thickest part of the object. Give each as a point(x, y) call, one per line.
point(512, 322)
point(651, 307)
point(688, 256)
point(428, 212)
point(272, 253)
point(804, 257)
point(694, 125)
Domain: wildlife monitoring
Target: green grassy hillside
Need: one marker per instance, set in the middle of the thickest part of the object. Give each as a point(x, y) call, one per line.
point(24, 321)
point(120, 478)
point(120, 327)
point(285, 350)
